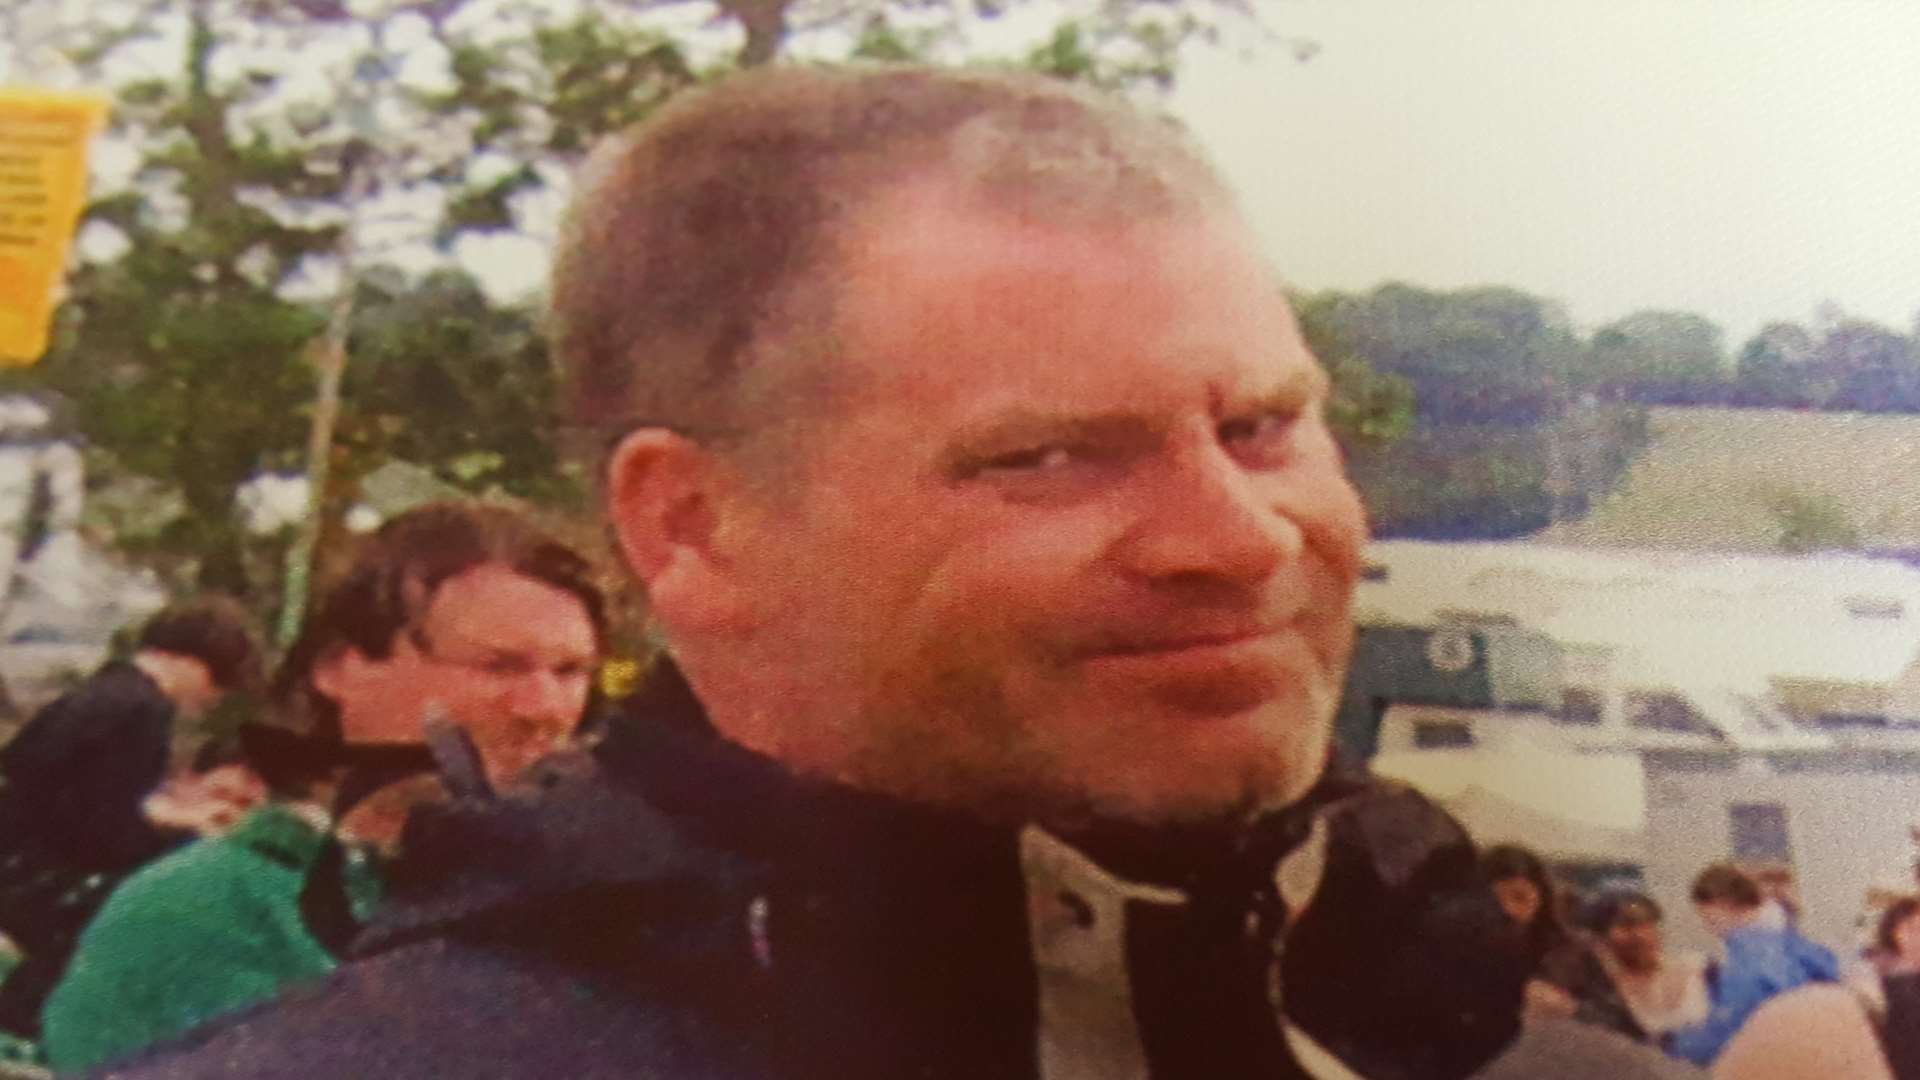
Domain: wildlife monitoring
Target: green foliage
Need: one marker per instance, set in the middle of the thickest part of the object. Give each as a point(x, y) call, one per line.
point(1488, 427)
point(1853, 365)
point(485, 208)
point(1455, 482)
point(880, 41)
point(1485, 355)
point(1367, 408)
point(443, 378)
point(1812, 521)
point(1873, 368)
point(1776, 368)
point(1659, 357)
point(1065, 55)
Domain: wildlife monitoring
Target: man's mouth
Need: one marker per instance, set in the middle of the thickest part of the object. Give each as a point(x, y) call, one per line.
point(1190, 643)
point(1198, 640)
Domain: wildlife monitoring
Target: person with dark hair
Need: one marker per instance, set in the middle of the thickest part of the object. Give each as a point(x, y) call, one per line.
point(979, 482)
point(463, 610)
point(1763, 960)
point(211, 794)
point(78, 773)
point(1526, 892)
point(1636, 985)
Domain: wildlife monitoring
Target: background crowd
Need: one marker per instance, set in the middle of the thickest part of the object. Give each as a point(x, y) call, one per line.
point(144, 893)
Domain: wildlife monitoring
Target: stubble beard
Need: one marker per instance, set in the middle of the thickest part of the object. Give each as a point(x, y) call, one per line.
point(955, 740)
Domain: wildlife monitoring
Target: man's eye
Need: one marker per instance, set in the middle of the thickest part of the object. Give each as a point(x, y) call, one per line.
point(1037, 459)
point(1259, 439)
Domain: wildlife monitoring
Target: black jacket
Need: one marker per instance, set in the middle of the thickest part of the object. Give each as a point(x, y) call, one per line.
point(676, 906)
point(71, 824)
point(77, 772)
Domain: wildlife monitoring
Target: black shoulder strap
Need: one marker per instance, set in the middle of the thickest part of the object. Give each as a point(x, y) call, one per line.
point(325, 905)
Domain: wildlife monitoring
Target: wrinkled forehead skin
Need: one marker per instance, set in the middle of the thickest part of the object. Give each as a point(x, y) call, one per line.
point(842, 333)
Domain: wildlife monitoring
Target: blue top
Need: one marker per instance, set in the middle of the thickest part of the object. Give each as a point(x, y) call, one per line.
point(1762, 962)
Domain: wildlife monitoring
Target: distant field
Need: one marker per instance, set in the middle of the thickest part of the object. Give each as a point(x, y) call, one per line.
point(1715, 479)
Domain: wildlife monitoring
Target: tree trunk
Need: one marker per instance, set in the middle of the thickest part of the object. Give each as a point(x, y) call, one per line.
point(765, 22)
point(329, 358)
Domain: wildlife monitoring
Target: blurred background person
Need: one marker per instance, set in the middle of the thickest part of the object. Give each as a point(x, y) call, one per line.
point(1637, 985)
point(1870, 1030)
point(1897, 938)
point(211, 794)
point(1762, 960)
point(79, 773)
point(1532, 902)
point(464, 609)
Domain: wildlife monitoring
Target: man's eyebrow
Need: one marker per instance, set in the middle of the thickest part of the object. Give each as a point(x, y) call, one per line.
point(1296, 390)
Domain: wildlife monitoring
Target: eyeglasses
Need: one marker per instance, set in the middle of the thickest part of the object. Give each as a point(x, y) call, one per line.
point(504, 666)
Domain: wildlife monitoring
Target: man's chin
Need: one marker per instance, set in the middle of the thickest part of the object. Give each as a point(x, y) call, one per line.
point(1178, 765)
point(1200, 792)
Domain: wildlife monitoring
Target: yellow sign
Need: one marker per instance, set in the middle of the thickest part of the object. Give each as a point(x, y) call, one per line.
point(43, 187)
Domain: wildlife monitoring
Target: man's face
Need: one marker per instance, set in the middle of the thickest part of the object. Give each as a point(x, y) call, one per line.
point(1075, 541)
point(510, 658)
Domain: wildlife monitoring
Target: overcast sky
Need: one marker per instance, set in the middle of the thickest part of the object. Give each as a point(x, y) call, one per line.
point(1746, 159)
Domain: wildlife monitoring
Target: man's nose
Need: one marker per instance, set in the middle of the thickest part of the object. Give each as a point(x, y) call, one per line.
point(546, 697)
point(1207, 516)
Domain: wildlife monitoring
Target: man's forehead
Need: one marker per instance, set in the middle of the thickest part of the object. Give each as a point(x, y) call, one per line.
point(935, 226)
point(1179, 287)
point(924, 246)
point(494, 597)
point(927, 290)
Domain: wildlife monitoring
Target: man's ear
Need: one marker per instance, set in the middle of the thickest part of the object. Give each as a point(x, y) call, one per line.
point(665, 499)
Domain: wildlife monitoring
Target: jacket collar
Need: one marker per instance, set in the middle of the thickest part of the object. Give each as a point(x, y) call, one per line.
point(282, 832)
point(743, 802)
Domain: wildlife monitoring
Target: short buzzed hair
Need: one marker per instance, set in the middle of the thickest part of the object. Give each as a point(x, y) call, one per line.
point(692, 234)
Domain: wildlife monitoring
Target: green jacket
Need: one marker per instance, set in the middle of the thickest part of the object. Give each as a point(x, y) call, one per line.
point(210, 929)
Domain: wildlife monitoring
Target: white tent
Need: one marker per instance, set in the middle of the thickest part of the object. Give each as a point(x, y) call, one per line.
point(1587, 806)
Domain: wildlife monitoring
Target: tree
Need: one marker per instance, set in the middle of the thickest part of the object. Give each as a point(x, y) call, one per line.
point(1487, 355)
point(1660, 358)
point(1502, 438)
point(1872, 368)
point(1369, 409)
point(1775, 369)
